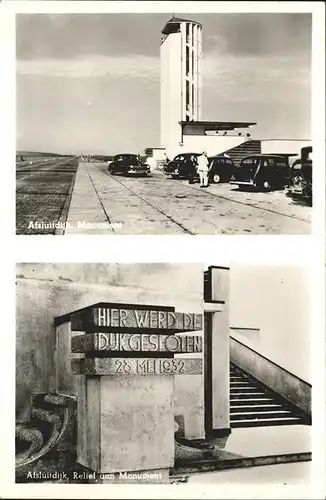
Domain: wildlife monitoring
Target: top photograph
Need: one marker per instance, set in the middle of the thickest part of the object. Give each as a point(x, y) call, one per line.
point(164, 124)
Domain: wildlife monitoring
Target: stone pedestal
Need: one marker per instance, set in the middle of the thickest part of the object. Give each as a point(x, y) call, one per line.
point(126, 423)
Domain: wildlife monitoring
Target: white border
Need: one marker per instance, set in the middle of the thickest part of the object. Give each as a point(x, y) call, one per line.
point(282, 250)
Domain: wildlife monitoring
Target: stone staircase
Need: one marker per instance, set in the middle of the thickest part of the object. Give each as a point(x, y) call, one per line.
point(251, 147)
point(252, 404)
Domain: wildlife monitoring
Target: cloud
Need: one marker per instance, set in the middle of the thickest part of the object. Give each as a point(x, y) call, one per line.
point(255, 77)
point(219, 42)
point(93, 66)
point(290, 68)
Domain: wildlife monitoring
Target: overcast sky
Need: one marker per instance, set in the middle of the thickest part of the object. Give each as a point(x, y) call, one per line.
point(91, 82)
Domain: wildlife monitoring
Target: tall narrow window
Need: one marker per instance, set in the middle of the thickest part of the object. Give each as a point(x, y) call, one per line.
point(187, 94)
point(187, 32)
point(187, 60)
point(193, 63)
point(193, 98)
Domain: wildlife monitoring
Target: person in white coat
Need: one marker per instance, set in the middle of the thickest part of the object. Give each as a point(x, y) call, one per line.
point(203, 169)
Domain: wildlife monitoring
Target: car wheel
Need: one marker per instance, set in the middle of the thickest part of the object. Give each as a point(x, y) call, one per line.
point(216, 178)
point(266, 186)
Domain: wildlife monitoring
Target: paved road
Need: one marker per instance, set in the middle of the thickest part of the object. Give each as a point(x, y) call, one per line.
point(42, 195)
point(160, 205)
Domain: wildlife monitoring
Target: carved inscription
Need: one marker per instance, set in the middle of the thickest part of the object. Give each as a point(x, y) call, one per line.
point(136, 342)
point(138, 366)
point(107, 318)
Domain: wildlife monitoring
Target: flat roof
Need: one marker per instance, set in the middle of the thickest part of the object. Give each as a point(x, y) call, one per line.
point(213, 125)
point(170, 26)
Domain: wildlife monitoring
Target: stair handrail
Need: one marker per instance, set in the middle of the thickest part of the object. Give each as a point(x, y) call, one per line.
point(271, 361)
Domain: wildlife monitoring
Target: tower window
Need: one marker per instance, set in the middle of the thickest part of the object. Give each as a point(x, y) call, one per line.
point(187, 93)
point(193, 95)
point(187, 32)
point(187, 60)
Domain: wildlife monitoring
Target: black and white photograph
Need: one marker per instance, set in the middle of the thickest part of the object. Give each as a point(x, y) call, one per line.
point(139, 363)
point(164, 123)
point(163, 374)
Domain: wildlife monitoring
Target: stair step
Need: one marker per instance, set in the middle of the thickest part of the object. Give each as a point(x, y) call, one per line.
point(267, 421)
point(245, 389)
point(260, 415)
point(241, 380)
point(245, 383)
point(272, 419)
point(250, 401)
point(255, 408)
point(243, 395)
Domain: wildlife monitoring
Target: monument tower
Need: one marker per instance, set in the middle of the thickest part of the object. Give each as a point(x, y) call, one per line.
point(181, 81)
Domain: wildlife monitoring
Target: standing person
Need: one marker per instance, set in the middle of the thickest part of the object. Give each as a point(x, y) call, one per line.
point(193, 165)
point(203, 169)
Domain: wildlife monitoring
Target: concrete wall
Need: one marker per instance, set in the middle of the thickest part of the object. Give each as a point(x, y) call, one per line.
point(246, 335)
point(157, 159)
point(212, 144)
point(171, 90)
point(45, 291)
point(277, 300)
point(221, 350)
point(273, 376)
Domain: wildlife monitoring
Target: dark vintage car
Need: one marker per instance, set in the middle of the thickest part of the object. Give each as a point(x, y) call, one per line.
point(128, 164)
point(221, 168)
point(182, 165)
point(300, 179)
point(263, 172)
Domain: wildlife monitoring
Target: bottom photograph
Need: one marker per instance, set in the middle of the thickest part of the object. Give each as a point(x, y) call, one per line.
point(163, 373)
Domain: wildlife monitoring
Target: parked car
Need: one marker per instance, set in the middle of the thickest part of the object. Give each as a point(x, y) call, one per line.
point(221, 168)
point(300, 179)
point(182, 166)
point(128, 164)
point(263, 172)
